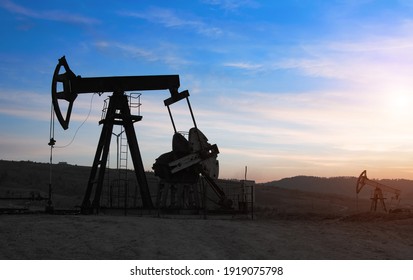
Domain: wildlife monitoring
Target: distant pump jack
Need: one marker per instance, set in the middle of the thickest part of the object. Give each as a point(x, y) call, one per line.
point(378, 191)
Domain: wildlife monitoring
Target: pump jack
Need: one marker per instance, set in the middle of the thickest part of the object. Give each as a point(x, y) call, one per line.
point(201, 156)
point(118, 113)
point(378, 191)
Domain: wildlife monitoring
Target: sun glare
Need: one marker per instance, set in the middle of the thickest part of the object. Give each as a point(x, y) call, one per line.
point(401, 103)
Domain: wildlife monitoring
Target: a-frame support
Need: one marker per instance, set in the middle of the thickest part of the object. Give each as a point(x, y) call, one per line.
point(377, 196)
point(118, 113)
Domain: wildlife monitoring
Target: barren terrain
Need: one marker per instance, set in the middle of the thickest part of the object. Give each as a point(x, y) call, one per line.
point(287, 224)
point(119, 237)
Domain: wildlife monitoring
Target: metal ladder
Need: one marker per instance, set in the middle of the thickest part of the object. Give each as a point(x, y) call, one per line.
point(123, 171)
point(121, 184)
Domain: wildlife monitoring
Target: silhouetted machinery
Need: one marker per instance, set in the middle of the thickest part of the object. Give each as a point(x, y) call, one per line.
point(179, 169)
point(377, 195)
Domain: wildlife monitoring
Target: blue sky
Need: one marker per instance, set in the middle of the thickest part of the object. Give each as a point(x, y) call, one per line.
point(286, 88)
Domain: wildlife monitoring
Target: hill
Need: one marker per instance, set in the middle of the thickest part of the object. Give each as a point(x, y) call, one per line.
point(20, 178)
point(339, 185)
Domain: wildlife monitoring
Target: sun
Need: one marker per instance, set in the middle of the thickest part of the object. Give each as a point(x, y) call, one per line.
point(401, 103)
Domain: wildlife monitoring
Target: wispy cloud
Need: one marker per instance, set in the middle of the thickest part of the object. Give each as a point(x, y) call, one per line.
point(356, 120)
point(370, 60)
point(322, 118)
point(161, 54)
point(16, 104)
point(232, 5)
point(244, 65)
point(171, 19)
point(36, 106)
point(52, 15)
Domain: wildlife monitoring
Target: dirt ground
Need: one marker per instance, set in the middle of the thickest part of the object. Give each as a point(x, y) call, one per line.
point(361, 236)
point(288, 224)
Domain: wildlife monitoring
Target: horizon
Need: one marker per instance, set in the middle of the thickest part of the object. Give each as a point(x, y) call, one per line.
point(230, 179)
point(322, 89)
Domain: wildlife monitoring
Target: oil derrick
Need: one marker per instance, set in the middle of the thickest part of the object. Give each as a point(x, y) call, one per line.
point(192, 157)
point(65, 88)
